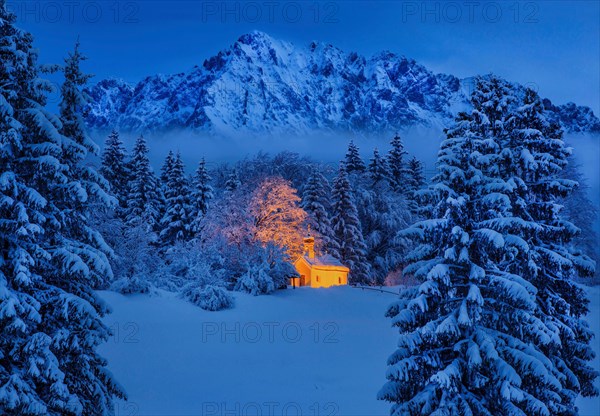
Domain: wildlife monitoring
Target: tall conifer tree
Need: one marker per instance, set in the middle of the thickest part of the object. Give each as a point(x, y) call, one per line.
point(396, 161)
point(347, 229)
point(51, 317)
point(354, 163)
point(495, 327)
point(203, 193)
point(176, 223)
point(315, 201)
point(114, 167)
point(143, 198)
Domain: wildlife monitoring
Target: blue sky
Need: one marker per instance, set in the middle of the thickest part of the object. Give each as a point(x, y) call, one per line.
point(551, 45)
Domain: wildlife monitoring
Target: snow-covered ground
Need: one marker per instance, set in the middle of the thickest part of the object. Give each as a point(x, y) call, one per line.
point(304, 351)
point(308, 351)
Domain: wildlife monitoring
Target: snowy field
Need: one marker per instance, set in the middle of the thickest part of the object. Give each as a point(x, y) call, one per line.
point(313, 352)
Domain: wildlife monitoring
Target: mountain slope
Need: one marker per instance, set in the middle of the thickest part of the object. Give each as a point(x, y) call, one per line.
point(263, 85)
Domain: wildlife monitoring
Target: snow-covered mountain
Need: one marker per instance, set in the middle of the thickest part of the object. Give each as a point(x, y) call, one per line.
point(261, 84)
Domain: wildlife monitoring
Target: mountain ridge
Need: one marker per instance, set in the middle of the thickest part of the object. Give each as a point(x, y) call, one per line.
point(263, 85)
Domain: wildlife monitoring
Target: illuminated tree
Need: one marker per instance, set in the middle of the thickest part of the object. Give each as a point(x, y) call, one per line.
point(278, 218)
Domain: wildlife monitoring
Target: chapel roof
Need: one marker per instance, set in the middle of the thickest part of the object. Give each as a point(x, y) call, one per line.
point(323, 261)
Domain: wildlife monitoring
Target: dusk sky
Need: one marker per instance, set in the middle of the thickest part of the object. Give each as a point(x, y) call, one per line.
point(551, 45)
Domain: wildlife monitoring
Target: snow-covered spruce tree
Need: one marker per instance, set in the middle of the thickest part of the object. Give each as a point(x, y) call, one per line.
point(469, 333)
point(163, 179)
point(81, 256)
point(76, 146)
point(166, 169)
point(416, 177)
point(381, 212)
point(177, 219)
point(347, 230)
point(134, 258)
point(203, 193)
point(396, 161)
point(415, 180)
point(495, 263)
point(354, 163)
point(378, 168)
point(233, 181)
point(50, 320)
point(114, 167)
point(534, 156)
point(143, 196)
point(111, 222)
point(316, 203)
